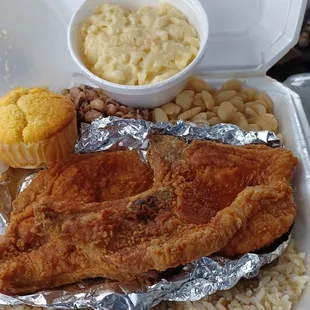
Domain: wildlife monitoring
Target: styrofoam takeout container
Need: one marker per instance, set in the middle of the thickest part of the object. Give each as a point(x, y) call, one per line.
point(151, 95)
point(246, 38)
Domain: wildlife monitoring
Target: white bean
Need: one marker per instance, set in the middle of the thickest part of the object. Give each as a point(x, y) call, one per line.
point(253, 127)
point(171, 108)
point(259, 109)
point(251, 120)
point(249, 112)
point(267, 122)
point(189, 114)
point(250, 93)
point(237, 102)
point(208, 100)
point(184, 100)
point(243, 96)
point(158, 115)
point(189, 93)
point(249, 104)
point(199, 118)
point(225, 110)
point(198, 85)
point(267, 99)
point(199, 103)
point(239, 119)
point(215, 110)
point(232, 85)
point(262, 102)
point(225, 96)
point(214, 120)
point(198, 96)
point(210, 115)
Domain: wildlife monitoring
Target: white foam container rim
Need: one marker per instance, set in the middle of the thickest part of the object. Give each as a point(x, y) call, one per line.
point(49, 63)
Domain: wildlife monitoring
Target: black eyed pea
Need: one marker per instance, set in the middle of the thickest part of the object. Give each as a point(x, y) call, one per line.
point(119, 114)
point(111, 109)
point(79, 98)
point(139, 116)
point(65, 92)
point(158, 115)
point(123, 109)
point(74, 91)
point(85, 107)
point(91, 115)
point(190, 114)
point(146, 114)
point(225, 110)
point(91, 94)
point(98, 104)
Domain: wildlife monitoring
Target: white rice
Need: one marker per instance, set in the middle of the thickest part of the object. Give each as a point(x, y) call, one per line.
point(277, 288)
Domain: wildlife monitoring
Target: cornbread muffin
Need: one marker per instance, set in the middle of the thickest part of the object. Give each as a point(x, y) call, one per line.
point(37, 127)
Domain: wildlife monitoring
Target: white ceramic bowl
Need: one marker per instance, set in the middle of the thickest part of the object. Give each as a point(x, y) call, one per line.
point(152, 95)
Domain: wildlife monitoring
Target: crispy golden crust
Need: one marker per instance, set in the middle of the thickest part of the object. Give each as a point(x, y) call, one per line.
point(113, 239)
point(204, 194)
point(89, 178)
point(33, 115)
point(265, 226)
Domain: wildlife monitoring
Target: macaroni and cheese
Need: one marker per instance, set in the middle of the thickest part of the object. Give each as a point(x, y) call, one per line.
point(138, 48)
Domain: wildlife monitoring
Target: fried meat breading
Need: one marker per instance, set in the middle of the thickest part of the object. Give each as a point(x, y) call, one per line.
point(204, 195)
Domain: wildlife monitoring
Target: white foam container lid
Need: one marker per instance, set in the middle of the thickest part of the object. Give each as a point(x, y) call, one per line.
point(246, 38)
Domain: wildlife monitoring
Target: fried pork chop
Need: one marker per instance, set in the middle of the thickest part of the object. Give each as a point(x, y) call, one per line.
point(89, 178)
point(205, 197)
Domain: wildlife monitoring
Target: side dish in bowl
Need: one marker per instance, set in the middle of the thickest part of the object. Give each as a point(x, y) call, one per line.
point(140, 55)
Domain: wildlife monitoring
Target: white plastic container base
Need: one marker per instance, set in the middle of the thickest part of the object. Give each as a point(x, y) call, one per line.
point(246, 38)
point(152, 95)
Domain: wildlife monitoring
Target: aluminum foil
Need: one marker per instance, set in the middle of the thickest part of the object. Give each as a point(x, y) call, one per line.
point(5, 205)
point(104, 133)
point(194, 281)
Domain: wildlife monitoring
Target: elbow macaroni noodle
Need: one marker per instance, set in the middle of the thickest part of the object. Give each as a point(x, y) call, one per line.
point(138, 48)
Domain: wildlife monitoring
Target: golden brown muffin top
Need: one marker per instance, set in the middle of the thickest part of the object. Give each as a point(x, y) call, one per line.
point(32, 115)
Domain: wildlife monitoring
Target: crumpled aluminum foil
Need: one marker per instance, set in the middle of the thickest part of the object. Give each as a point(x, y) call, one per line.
point(194, 281)
point(5, 206)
